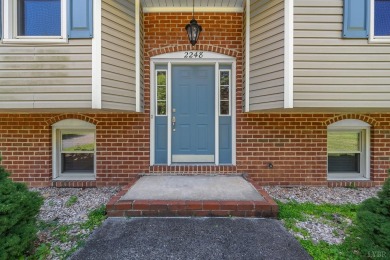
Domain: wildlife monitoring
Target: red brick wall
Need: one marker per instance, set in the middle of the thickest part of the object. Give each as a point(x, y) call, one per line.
point(165, 32)
point(122, 146)
point(294, 143)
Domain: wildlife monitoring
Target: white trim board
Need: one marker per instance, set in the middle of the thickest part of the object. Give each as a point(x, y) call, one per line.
point(289, 54)
point(216, 114)
point(97, 56)
point(137, 57)
point(247, 53)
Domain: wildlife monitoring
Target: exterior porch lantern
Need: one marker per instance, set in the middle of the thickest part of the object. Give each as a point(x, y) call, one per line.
point(193, 29)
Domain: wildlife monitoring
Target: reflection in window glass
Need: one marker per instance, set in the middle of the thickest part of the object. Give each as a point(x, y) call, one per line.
point(224, 92)
point(344, 151)
point(77, 151)
point(224, 107)
point(348, 162)
point(224, 78)
point(78, 142)
point(39, 18)
point(343, 141)
point(77, 163)
point(381, 18)
point(161, 97)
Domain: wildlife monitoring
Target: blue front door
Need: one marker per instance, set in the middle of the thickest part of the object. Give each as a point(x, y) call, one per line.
point(193, 114)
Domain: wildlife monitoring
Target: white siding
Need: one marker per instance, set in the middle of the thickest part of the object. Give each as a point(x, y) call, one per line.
point(330, 71)
point(118, 55)
point(46, 76)
point(266, 55)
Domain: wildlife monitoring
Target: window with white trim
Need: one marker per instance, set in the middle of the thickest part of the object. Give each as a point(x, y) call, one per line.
point(224, 92)
point(380, 20)
point(35, 21)
point(348, 145)
point(74, 149)
point(161, 92)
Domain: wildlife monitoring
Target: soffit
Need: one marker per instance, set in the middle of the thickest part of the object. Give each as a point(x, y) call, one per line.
point(186, 5)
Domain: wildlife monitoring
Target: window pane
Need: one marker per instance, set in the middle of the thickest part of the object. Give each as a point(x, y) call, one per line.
point(225, 93)
point(161, 108)
point(343, 141)
point(77, 162)
point(224, 77)
point(39, 17)
point(161, 78)
point(224, 107)
point(344, 163)
point(161, 93)
point(77, 141)
point(382, 17)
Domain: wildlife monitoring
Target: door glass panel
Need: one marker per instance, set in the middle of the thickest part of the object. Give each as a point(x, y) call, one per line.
point(224, 92)
point(224, 107)
point(224, 78)
point(161, 93)
point(161, 108)
point(161, 97)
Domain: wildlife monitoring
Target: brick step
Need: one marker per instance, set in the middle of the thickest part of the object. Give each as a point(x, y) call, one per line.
point(118, 207)
point(164, 208)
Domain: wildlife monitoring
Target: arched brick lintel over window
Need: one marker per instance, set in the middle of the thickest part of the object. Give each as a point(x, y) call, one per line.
point(367, 119)
point(198, 47)
point(61, 117)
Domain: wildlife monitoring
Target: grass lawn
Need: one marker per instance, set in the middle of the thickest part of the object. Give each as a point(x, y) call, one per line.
point(337, 219)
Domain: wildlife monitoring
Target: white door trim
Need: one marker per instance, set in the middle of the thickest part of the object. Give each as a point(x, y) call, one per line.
point(209, 58)
point(216, 113)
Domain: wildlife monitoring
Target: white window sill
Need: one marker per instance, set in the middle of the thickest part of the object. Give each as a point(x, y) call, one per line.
point(76, 177)
point(346, 177)
point(379, 40)
point(34, 41)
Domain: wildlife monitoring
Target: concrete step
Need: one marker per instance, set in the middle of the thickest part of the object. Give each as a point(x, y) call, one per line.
point(200, 195)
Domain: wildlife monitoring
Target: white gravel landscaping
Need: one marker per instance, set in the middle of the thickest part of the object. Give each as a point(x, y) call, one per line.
point(70, 206)
point(322, 229)
point(55, 208)
point(320, 195)
point(64, 209)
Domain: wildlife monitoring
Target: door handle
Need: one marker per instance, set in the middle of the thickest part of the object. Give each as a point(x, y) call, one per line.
point(173, 124)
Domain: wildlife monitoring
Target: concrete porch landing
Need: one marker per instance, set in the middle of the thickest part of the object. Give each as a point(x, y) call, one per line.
point(195, 195)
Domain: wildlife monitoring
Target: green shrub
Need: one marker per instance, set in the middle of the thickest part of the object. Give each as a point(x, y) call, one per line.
point(18, 211)
point(373, 225)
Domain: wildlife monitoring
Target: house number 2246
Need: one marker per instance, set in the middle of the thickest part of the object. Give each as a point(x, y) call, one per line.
point(193, 55)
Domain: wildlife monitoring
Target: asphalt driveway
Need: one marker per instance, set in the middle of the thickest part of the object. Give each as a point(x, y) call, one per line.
point(191, 238)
